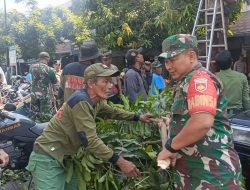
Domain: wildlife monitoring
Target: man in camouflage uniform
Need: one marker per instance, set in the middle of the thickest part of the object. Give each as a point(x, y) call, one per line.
point(43, 79)
point(73, 126)
point(200, 142)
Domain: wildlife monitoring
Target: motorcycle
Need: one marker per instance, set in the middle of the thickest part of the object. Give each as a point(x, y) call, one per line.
point(17, 136)
point(240, 124)
point(18, 94)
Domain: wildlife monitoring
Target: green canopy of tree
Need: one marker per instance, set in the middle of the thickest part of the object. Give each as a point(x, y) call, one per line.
point(40, 30)
point(128, 24)
point(116, 24)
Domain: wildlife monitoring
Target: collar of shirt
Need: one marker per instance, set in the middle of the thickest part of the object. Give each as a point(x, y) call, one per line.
point(196, 67)
point(87, 96)
point(137, 70)
point(226, 71)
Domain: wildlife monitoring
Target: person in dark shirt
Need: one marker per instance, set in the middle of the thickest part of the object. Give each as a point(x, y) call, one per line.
point(133, 82)
point(72, 74)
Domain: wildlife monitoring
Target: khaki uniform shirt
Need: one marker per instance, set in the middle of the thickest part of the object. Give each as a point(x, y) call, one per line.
point(78, 114)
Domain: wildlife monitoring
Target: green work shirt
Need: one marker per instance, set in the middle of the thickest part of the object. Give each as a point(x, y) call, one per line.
point(236, 88)
point(211, 162)
point(61, 138)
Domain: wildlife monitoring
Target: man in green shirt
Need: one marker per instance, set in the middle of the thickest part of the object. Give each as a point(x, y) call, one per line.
point(235, 84)
point(74, 125)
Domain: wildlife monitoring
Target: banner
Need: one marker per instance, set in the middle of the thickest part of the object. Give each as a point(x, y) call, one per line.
point(12, 55)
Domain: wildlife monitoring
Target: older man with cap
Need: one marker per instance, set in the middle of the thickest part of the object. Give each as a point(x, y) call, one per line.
point(72, 74)
point(200, 142)
point(42, 91)
point(73, 126)
point(133, 81)
point(116, 89)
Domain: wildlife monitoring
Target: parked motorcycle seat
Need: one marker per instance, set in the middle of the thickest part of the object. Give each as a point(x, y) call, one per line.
point(38, 128)
point(241, 122)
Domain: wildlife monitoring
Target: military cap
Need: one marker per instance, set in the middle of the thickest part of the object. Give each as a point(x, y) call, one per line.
point(44, 55)
point(176, 44)
point(106, 53)
point(99, 70)
point(156, 64)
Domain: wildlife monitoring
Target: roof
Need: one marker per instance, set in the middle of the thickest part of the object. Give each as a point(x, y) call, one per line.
point(63, 48)
point(242, 26)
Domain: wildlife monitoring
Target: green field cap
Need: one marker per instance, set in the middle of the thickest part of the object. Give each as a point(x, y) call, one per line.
point(176, 44)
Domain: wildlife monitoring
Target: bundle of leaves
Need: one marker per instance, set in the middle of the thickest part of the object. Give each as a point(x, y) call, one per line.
point(136, 142)
point(14, 179)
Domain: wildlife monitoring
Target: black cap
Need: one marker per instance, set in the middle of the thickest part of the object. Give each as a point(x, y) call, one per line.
point(89, 50)
point(131, 55)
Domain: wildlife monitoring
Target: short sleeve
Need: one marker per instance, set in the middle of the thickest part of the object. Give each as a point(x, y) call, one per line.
point(202, 95)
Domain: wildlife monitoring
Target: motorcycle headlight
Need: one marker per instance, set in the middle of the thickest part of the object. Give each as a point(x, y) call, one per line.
point(241, 134)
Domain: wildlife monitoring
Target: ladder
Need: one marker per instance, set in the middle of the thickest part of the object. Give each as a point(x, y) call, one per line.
point(215, 8)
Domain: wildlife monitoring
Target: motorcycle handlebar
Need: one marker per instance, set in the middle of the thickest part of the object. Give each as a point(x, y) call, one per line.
point(4, 115)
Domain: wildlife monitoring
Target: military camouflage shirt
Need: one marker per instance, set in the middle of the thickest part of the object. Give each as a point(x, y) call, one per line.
point(42, 78)
point(211, 162)
point(62, 136)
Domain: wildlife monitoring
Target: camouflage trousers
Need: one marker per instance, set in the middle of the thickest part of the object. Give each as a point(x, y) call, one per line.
point(198, 173)
point(41, 108)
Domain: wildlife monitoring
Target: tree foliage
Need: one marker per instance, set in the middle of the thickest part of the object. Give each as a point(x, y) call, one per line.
point(129, 24)
point(115, 24)
point(40, 30)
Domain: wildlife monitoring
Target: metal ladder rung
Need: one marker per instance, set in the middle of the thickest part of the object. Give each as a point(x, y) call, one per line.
point(219, 45)
point(216, 29)
point(205, 61)
point(202, 41)
point(202, 61)
point(201, 25)
point(213, 13)
point(203, 57)
point(204, 10)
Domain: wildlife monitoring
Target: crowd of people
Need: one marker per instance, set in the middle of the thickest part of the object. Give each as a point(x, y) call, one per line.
point(199, 146)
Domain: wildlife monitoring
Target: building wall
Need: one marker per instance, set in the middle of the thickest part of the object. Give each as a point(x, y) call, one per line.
point(246, 7)
point(240, 45)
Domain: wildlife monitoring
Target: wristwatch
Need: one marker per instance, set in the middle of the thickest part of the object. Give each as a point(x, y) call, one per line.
point(168, 146)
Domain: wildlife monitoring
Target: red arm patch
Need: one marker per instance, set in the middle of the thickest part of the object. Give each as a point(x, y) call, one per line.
point(202, 95)
point(60, 112)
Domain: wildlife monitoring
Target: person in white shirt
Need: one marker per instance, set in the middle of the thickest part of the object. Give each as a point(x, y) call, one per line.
point(2, 77)
point(241, 65)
